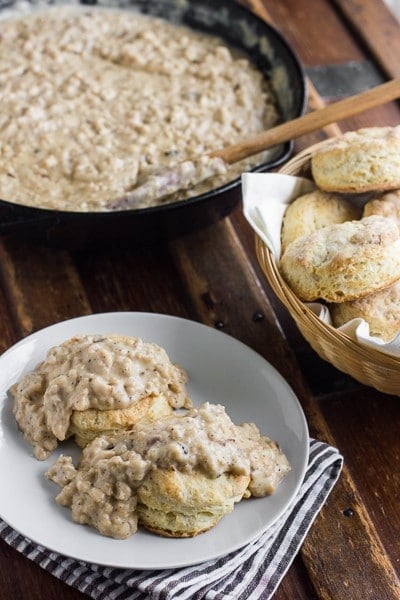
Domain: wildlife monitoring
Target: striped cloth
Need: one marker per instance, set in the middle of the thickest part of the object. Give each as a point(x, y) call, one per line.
point(250, 573)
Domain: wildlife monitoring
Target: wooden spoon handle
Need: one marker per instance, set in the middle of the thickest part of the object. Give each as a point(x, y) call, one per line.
point(310, 122)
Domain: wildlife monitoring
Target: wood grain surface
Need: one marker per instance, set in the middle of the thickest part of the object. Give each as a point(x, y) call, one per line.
point(353, 548)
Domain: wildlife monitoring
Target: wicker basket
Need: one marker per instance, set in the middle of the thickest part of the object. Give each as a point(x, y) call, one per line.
point(366, 365)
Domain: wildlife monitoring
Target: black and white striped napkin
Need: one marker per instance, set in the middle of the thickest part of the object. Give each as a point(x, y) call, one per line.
point(250, 573)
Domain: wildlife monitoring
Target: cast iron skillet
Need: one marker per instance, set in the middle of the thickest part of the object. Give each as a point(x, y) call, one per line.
point(237, 26)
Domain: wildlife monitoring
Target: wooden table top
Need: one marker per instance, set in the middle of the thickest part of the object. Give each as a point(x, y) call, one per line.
point(353, 548)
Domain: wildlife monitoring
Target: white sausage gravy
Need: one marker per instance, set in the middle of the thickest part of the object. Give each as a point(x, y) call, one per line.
point(92, 371)
point(93, 100)
point(102, 491)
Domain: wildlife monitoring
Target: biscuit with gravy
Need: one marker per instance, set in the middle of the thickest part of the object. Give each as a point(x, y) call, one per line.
point(92, 384)
point(177, 476)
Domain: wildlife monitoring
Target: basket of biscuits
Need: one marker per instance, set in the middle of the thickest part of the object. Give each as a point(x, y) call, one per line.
point(328, 241)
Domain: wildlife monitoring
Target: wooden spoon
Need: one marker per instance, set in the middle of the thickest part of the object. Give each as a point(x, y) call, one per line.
point(188, 173)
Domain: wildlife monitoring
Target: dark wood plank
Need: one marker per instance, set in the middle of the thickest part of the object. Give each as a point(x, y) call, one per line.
point(21, 578)
point(312, 28)
point(9, 328)
point(221, 284)
point(141, 279)
point(370, 576)
point(42, 285)
point(366, 427)
point(378, 29)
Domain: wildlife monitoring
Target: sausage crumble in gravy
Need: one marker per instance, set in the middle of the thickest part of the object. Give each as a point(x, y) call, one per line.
point(102, 491)
point(92, 372)
point(94, 100)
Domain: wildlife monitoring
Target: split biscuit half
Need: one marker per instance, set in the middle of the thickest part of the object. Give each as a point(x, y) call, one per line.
point(85, 425)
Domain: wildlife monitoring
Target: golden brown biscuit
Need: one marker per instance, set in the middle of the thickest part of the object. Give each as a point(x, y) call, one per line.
point(387, 205)
point(359, 161)
point(87, 424)
point(343, 262)
point(314, 211)
point(380, 310)
point(183, 504)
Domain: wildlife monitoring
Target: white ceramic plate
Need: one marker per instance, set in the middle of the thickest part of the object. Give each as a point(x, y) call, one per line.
point(221, 370)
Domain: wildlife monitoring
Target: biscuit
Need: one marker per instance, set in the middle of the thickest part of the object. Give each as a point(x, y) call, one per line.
point(313, 211)
point(181, 504)
point(359, 161)
point(387, 205)
point(85, 425)
point(380, 310)
point(343, 262)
